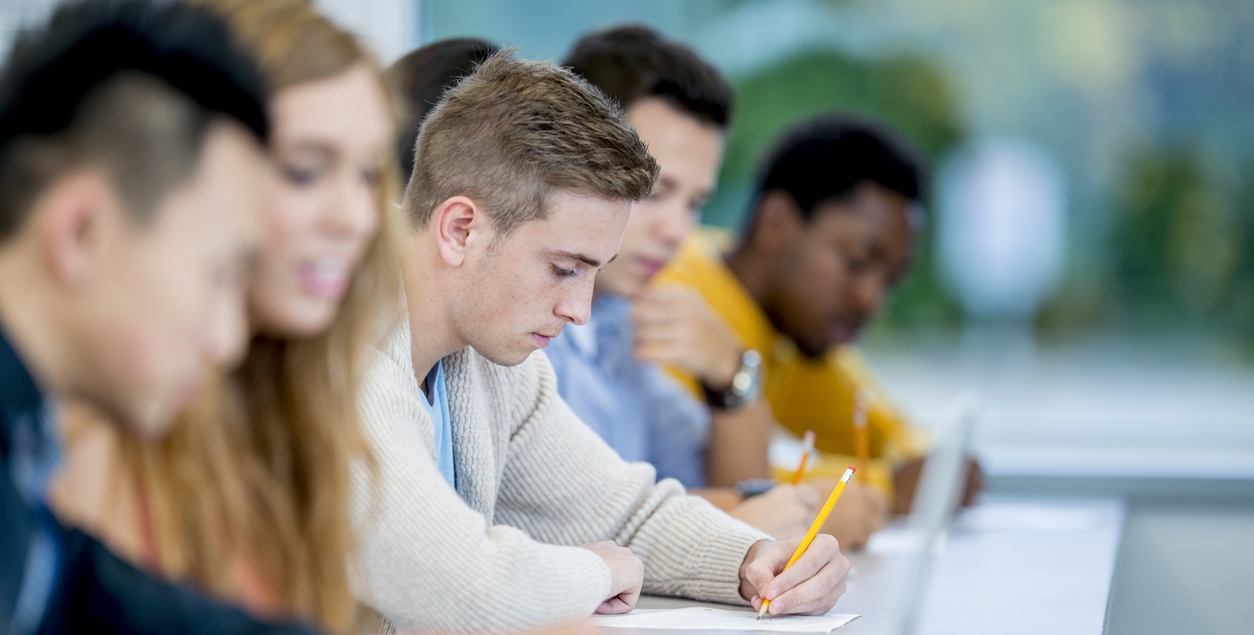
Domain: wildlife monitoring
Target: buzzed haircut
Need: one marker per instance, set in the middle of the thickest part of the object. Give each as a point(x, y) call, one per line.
point(129, 87)
point(517, 131)
point(421, 77)
point(629, 63)
point(826, 158)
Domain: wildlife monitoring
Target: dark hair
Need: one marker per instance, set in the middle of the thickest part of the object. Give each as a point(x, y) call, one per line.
point(632, 62)
point(420, 79)
point(827, 157)
point(130, 85)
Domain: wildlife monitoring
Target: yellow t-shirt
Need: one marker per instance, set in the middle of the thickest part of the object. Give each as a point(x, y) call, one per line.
point(804, 394)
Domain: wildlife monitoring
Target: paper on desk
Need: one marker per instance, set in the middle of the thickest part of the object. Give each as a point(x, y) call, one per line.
point(708, 619)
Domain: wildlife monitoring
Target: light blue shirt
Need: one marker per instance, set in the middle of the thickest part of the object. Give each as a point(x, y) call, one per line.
point(436, 402)
point(639, 411)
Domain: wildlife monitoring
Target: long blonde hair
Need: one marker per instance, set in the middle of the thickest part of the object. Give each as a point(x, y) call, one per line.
point(259, 469)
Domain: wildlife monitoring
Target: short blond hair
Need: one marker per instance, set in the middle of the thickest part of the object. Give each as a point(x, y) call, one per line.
point(516, 131)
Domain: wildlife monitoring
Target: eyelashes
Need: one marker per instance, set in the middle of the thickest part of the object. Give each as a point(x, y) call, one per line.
point(564, 273)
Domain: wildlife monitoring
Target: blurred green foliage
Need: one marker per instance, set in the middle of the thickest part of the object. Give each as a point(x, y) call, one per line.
point(1181, 246)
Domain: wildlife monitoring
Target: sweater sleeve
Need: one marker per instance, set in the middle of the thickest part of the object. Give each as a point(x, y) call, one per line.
point(562, 484)
point(426, 561)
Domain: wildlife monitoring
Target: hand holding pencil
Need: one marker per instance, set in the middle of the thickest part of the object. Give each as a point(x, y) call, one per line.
point(801, 576)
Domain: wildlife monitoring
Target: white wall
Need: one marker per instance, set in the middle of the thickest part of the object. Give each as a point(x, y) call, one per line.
point(390, 27)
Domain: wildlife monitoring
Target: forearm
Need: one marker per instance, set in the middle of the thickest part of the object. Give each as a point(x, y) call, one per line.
point(738, 445)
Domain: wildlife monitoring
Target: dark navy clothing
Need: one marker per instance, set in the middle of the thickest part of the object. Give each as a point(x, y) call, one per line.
point(59, 580)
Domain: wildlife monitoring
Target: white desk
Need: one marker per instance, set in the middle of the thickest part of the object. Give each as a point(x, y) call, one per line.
point(999, 578)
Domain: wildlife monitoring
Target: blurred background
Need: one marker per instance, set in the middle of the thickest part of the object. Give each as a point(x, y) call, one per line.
point(1088, 265)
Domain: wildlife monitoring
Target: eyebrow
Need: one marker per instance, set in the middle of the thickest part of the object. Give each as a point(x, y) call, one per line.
point(588, 260)
point(308, 146)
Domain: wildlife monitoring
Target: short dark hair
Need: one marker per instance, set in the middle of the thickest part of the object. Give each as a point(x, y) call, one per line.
point(420, 79)
point(633, 62)
point(130, 86)
point(825, 158)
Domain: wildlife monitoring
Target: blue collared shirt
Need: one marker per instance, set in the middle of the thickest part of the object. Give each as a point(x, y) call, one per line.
point(639, 411)
point(436, 402)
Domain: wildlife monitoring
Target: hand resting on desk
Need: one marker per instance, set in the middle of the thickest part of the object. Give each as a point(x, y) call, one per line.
point(627, 573)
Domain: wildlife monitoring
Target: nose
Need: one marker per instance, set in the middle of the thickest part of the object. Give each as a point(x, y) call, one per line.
point(675, 223)
point(576, 306)
point(871, 292)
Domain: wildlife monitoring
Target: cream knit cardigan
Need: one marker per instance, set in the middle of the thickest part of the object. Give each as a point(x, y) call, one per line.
point(498, 554)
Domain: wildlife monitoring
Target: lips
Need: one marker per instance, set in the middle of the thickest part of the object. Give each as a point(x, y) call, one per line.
point(325, 277)
point(843, 331)
point(651, 266)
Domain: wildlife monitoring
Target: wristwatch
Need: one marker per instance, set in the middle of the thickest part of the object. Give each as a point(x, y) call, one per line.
point(744, 388)
point(753, 487)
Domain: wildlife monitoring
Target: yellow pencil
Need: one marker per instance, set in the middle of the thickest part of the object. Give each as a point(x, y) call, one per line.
point(805, 457)
point(861, 444)
point(814, 527)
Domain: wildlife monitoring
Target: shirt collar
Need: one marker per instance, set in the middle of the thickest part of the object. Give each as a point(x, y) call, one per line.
point(18, 391)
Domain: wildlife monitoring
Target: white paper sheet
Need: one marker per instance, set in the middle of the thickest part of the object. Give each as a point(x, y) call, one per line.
point(710, 619)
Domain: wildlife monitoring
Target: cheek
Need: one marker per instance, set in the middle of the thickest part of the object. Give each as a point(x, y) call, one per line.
point(290, 219)
point(142, 339)
point(816, 284)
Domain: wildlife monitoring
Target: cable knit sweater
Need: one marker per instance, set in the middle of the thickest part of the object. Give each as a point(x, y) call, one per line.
point(533, 481)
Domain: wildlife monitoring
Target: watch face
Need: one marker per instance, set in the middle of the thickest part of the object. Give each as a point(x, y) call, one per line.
point(744, 386)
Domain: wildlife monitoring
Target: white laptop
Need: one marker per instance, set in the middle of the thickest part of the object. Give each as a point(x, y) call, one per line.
point(942, 481)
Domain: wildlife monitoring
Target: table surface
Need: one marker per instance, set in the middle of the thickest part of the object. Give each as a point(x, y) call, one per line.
point(1016, 565)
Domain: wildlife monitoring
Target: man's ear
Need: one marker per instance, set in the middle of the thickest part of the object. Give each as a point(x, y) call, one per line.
point(775, 223)
point(457, 222)
point(72, 222)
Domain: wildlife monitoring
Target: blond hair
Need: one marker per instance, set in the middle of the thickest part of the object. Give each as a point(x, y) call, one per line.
point(516, 131)
point(259, 469)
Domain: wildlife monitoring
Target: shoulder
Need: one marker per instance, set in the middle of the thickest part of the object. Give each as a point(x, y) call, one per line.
point(700, 254)
point(389, 390)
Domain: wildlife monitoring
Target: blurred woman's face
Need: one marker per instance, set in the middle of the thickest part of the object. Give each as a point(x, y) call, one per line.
point(329, 141)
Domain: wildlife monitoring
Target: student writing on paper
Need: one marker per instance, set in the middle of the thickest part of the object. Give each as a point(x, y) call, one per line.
point(830, 231)
point(606, 369)
point(248, 497)
point(496, 506)
point(129, 189)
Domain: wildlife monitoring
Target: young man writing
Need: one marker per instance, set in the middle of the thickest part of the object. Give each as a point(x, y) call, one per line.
point(831, 231)
point(607, 369)
point(494, 507)
point(129, 157)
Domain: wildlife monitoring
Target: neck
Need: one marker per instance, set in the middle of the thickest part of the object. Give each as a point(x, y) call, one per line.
point(31, 325)
point(432, 332)
point(753, 272)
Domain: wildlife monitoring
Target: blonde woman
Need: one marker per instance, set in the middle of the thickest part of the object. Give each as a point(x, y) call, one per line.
point(249, 497)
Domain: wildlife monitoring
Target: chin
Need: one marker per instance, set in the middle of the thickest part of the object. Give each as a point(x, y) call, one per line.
point(151, 422)
point(814, 352)
point(306, 323)
point(503, 357)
